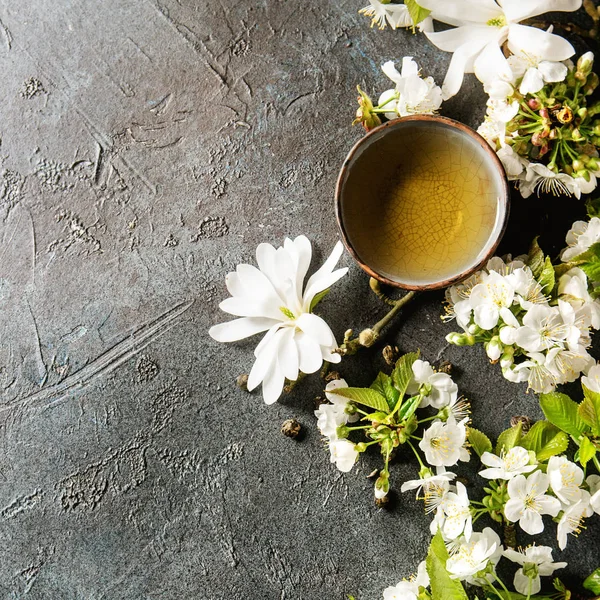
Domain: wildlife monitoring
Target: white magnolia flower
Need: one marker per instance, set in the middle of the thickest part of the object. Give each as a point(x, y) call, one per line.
point(592, 380)
point(273, 298)
point(408, 589)
point(536, 561)
point(343, 453)
point(528, 502)
point(514, 462)
point(413, 94)
point(442, 390)
point(394, 15)
point(474, 555)
point(482, 27)
point(581, 236)
point(572, 520)
point(593, 482)
point(488, 297)
point(453, 516)
point(443, 443)
point(331, 416)
point(539, 178)
point(565, 480)
point(535, 71)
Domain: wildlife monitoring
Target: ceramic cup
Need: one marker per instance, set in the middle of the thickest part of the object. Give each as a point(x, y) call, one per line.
point(453, 217)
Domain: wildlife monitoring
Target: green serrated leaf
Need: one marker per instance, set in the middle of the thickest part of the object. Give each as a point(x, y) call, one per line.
point(318, 297)
point(383, 385)
point(479, 441)
point(589, 409)
point(592, 270)
point(402, 373)
point(561, 411)
point(547, 278)
point(443, 587)
point(366, 397)
point(592, 583)
point(590, 255)
point(545, 440)
point(408, 408)
point(509, 438)
point(417, 13)
point(587, 451)
point(535, 258)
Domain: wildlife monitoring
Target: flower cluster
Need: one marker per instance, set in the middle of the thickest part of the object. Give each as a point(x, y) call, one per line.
point(389, 413)
point(273, 298)
point(412, 94)
point(533, 318)
point(539, 122)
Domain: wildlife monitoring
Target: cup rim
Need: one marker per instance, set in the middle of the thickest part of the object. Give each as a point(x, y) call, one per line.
point(398, 123)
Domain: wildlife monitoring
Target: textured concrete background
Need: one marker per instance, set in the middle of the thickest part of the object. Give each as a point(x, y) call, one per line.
point(147, 147)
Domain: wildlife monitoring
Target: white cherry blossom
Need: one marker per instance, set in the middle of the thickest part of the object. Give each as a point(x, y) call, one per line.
point(453, 516)
point(474, 555)
point(488, 297)
point(343, 453)
point(593, 482)
point(443, 443)
point(571, 521)
point(581, 236)
point(408, 589)
point(565, 480)
point(506, 466)
point(535, 71)
point(331, 416)
point(543, 328)
point(536, 561)
point(273, 298)
point(394, 15)
point(592, 380)
point(528, 502)
point(442, 390)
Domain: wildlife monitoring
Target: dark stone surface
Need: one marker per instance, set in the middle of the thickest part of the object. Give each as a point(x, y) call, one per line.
point(147, 148)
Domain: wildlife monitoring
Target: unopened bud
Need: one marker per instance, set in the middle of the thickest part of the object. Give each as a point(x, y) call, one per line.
point(582, 112)
point(591, 84)
point(578, 165)
point(585, 63)
point(553, 134)
point(583, 173)
point(494, 349)
point(460, 339)
point(534, 104)
point(537, 139)
point(576, 135)
point(544, 113)
point(507, 358)
point(367, 338)
point(342, 432)
point(360, 447)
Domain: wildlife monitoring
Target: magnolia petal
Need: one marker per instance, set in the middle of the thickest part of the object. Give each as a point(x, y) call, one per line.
point(242, 307)
point(266, 361)
point(518, 10)
point(287, 355)
point(453, 39)
point(320, 284)
point(273, 385)
point(328, 265)
point(459, 12)
point(309, 353)
point(316, 328)
point(239, 329)
point(491, 64)
point(330, 356)
point(303, 251)
point(234, 285)
point(538, 43)
point(532, 81)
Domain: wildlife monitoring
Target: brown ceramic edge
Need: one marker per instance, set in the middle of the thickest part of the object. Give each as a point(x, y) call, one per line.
point(392, 124)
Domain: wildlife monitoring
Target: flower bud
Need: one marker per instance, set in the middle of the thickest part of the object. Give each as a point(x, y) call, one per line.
point(390, 354)
point(544, 113)
point(365, 115)
point(534, 104)
point(591, 84)
point(350, 409)
point(459, 339)
point(554, 133)
point(583, 173)
point(585, 63)
point(576, 135)
point(537, 139)
point(582, 112)
point(367, 338)
point(544, 149)
point(578, 165)
point(593, 164)
point(494, 349)
point(507, 358)
point(360, 447)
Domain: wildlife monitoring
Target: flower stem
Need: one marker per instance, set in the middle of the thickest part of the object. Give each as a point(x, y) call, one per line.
point(416, 454)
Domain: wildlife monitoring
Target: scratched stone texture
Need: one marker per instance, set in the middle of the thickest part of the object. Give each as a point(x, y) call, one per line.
point(147, 147)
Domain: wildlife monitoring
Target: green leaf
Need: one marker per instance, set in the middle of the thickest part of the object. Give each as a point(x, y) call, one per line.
point(592, 582)
point(417, 13)
point(318, 297)
point(561, 411)
point(407, 410)
point(366, 397)
point(590, 255)
point(545, 440)
point(587, 451)
point(589, 409)
point(509, 439)
point(442, 586)
point(402, 373)
point(383, 385)
point(592, 270)
point(547, 277)
point(535, 258)
point(479, 441)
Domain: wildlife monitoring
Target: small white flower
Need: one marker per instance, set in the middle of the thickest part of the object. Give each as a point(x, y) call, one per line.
point(528, 502)
point(427, 479)
point(528, 290)
point(565, 480)
point(543, 328)
point(394, 15)
point(441, 389)
point(443, 443)
point(592, 380)
point(331, 416)
point(514, 462)
point(572, 520)
point(488, 297)
point(539, 178)
point(536, 561)
point(457, 299)
point(273, 298)
point(514, 164)
point(581, 236)
point(343, 454)
point(573, 288)
point(415, 95)
point(408, 589)
point(535, 72)
point(593, 482)
point(474, 555)
point(453, 516)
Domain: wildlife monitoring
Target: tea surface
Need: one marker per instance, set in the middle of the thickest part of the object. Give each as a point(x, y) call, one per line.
point(432, 210)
